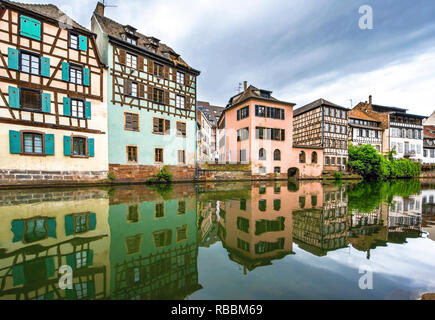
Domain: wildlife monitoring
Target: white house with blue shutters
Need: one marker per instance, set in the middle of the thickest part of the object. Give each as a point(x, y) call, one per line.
point(53, 113)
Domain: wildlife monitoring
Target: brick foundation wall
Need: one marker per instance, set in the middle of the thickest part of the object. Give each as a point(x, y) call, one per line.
point(32, 177)
point(140, 173)
point(215, 175)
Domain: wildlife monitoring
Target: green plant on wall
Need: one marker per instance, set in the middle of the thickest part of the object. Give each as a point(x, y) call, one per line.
point(164, 176)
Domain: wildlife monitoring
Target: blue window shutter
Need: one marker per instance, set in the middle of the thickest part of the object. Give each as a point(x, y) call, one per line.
point(14, 97)
point(18, 275)
point(92, 221)
point(49, 144)
point(86, 76)
point(67, 146)
point(66, 106)
point(83, 43)
point(88, 112)
point(71, 260)
point(45, 67)
point(49, 267)
point(65, 71)
point(91, 290)
point(90, 258)
point(51, 225)
point(14, 142)
point(18, 230)
point(91, 147)
point(30, 28)
point(46, 102)
point(69, 225)
point(13, 58)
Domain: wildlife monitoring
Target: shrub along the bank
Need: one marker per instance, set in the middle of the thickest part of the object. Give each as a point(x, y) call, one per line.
point(367, 162)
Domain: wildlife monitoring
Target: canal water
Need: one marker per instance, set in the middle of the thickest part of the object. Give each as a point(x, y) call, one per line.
point(219, 241)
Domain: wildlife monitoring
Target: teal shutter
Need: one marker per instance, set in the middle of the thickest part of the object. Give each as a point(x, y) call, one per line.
point(49, 296)
point(65, 71)
point(51, 226)
point(88, 112)
point(45, 67)
point(66, 145)
point(49, 145)
point(92, 221)
point(86, 76)
point(70, 294)
point(66, 106)
point(14, 142)
point(17, 230)
point(91, 147)
point(30, 28)
point(46, 102)
point(14, 97)
point(49, 267)
point(13, 58)
point(71, 260)
point(91, 290)
point(18, 275)
point(90, 258)
point(69, 225)
point(83, 43)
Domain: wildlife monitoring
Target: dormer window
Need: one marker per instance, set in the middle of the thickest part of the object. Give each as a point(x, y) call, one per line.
point(265, 94)
point(131, 40)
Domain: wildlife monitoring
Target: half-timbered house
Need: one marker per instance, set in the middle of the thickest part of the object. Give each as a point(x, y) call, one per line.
point(365, 130)
point(151, 103)
point(323, 124)
point(53, 124)
point(429, 145)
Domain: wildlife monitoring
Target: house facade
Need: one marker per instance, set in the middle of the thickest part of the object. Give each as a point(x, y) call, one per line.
point(151, 103)
point(53, 119)
point(429, 145)
point(323, 124)
point(204, 137)
point(213, 114)
point(256, 128)
point(365, 130)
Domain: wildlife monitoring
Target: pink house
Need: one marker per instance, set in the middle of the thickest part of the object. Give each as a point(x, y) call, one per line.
point(256, 128)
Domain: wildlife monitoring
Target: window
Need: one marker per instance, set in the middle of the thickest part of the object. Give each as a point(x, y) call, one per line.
point(181, 129)
point(262, 205)
point(242, 155)
point(79, 147)
point(180, 102)
point(243, 134)
point(181, 207)
point(243, 245)
point(131, 40)
point(277, 155)
point(277, 169)
point(76, 75)
point(326, 111)
point(158, 95)
point(243, 224)
point(314, 157)
point(180, 77)
point(243, 113)
point(133, 213)
point(30, 63)
point(133, 244)
point(262, 154)
point(260, 111)
point(31, 99)
point(131, 153)
point(182, 233)
point(134, 89)
point(35, 230)
point(159, 210)
point(74, 41)
point(131, 61)
point(130, 88)
point(243, 204)
point(161, 126)
point(158, 70)
point(262, 170)
point(158, 155)
point(131, 121)
point(33, 143)
point(162, 238)
point(333, 160)
point(327, 160)
point(302, 157)
point(181, 156)
point(77, 108)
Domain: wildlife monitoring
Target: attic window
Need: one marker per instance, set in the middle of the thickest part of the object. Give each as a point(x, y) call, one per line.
point(265, 94)
point(131, 40)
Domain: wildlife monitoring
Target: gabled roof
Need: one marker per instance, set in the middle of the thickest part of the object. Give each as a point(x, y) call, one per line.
point(117, 31)
point(358, 114)
point(213, 113)
point(253, 92)
point(49, 11)
point(379, 108)
point(431, 120)
point(316, 104)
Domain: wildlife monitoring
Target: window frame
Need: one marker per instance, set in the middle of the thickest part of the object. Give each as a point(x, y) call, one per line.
point(157, 90)
point(86, 147)
point(162, 156)
point(182, 99)
point(21, 100)
point(127, 149)
point(84, 108)
point(133, 58)
point(32, 132)
point(184, 156)
point(185, 128)
point(125, 121)
point(178, 79)
point(157, 68)
point(76, 68)
point(73, 33)
point(30, 54)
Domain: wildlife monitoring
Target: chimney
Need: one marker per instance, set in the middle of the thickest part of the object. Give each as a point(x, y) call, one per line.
point(370, 99)
point(245, 85)
point(100, 8)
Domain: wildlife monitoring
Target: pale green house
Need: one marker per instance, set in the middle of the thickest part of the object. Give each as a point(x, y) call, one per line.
point(151, 103)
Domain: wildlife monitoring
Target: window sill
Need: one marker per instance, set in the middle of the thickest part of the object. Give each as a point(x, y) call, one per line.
point(33, 154)
point(80, 157)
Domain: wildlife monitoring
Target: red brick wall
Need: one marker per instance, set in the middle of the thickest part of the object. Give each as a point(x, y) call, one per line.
point(140, 173)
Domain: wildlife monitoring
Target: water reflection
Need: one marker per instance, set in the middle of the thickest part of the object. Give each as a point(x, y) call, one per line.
point(141, 242)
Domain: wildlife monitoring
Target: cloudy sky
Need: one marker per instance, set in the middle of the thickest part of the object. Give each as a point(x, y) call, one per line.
point(301, 50)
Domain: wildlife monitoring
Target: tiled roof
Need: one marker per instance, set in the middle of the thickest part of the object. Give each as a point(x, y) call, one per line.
point(379, 108)
point(358, 114)
point(314, 105)
point(429, 131)
point(253, 92)
point(212, 112)
point(117, 31)
point(47, 10)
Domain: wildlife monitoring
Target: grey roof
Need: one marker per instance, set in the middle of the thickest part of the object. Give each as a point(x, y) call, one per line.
point(379, 108)
point(49, 11)
point(316, 104)
point(213, 113)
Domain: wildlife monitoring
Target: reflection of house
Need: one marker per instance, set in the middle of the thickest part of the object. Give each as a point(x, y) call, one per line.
point(153, 247)
point(429, 212)
point(322, 226)
point(207, 223)
point(429, 145)
point(40, 232)
point(405, 218)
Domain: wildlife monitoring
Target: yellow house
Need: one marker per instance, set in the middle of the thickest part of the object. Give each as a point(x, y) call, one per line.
point(53, 116)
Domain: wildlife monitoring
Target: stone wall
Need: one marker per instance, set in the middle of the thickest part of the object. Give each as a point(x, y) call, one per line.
point(140, 173)
point(35, 177)
point(216, 175)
